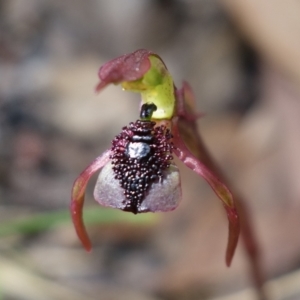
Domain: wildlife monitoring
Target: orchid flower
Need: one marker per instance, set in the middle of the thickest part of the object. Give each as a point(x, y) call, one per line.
point(138, 173)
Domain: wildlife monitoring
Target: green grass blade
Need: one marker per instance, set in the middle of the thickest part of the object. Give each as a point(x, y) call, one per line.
point(92, 215)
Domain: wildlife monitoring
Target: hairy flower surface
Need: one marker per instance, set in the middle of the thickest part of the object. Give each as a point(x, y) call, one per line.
point(138, 172)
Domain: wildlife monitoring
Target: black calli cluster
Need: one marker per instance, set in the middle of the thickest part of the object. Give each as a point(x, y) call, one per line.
point(140, 155)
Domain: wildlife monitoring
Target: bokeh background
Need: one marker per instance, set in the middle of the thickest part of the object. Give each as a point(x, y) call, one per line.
point(243, 60)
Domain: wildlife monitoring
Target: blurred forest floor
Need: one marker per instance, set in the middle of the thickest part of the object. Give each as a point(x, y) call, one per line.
point(242, 59)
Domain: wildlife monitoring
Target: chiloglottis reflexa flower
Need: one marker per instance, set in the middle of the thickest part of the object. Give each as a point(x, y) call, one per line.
point(138, 173)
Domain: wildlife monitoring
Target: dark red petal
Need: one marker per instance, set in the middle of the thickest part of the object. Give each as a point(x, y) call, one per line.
point(128, 67)
point(221, 190)
point(234, 232)
point(77, 200)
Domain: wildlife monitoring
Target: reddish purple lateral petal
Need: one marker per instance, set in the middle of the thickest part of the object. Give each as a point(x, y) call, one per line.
point(77, 199)
point(219, 188)
point(128, 67)
point(234, 232)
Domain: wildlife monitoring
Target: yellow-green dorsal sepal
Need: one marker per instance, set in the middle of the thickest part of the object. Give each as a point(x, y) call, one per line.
point(156, 86)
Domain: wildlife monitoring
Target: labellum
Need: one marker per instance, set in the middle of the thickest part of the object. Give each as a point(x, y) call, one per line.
point(140, 176)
